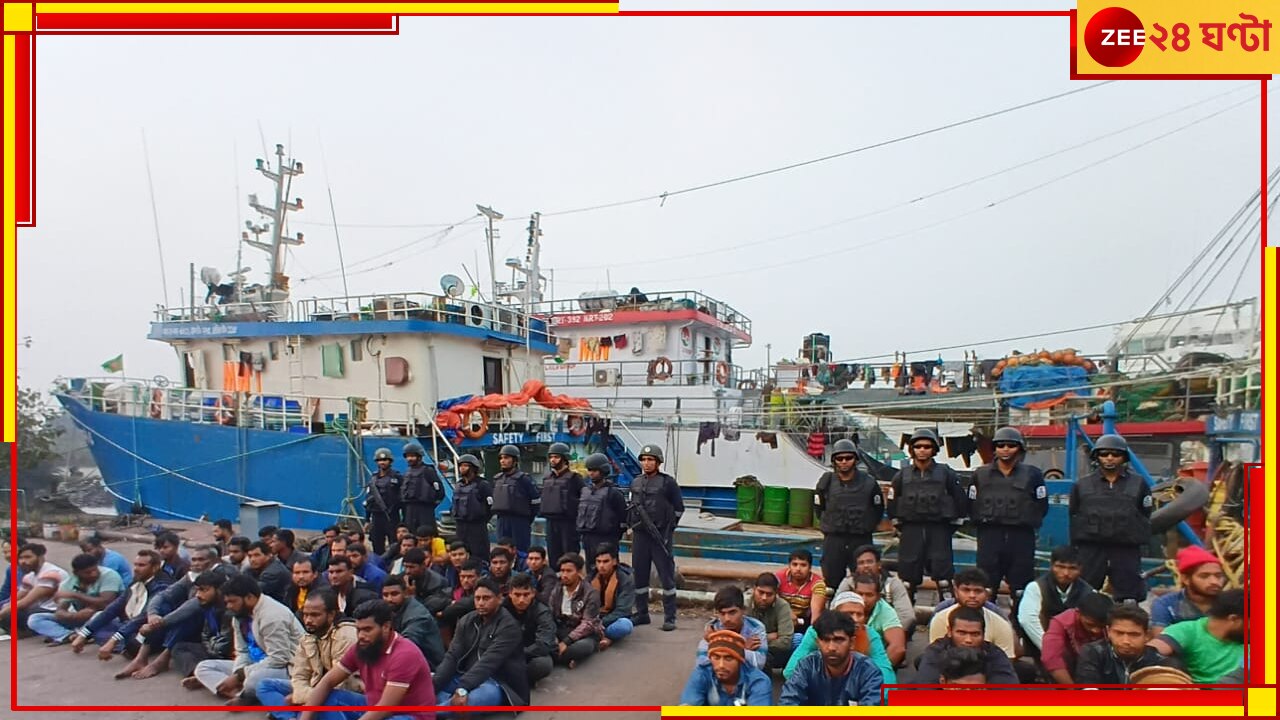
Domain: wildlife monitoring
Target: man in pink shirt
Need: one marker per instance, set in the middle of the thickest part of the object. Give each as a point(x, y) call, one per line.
point(1069, 632)
point(393, 669)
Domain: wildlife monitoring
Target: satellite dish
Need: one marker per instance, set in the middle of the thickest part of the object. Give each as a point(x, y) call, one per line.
point(210, 276)
point(452, 285)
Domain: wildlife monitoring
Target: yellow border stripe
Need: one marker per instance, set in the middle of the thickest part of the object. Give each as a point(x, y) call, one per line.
point(549, 8)
point(961, 710)
point(10, 239)
point(1270, 256)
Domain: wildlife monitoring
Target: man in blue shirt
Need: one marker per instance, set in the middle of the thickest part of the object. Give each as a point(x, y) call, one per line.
point(731, 614)
point(835, 675)
point(727, 680)
point(92, 545)
point(362, 565)
point(1202, 583)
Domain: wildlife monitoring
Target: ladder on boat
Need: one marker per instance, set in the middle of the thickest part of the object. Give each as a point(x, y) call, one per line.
point(293, 347)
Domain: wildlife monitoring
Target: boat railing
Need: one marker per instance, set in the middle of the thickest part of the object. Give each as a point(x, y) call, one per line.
point(645, 373)
point(274, 311)
point(666, 300)
point(424, 306)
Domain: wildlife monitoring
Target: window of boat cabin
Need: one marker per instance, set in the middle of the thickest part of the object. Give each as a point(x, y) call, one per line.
point(357, 350)
point(493, 376)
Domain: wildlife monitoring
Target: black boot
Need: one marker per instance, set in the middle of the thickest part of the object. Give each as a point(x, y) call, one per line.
point(641, 614)
point(669, 610)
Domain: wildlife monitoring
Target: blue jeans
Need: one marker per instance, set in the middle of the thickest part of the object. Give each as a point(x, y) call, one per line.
point(272, 691)
point(795, 640)
point(44, 624)
point(619, 629)
point(488, 694)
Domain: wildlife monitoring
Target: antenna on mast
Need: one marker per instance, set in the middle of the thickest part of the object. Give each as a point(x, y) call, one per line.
point(278, 283)
point(155, 217)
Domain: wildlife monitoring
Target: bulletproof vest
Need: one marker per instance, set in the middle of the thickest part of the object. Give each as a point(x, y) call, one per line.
point(1050, 604)
point(592, 510)
point(387, 487)
point(419, 485)
point(557, 495)
point(510, 496)
point(468, 505)
point(1109, 515)
point(924, 495)
point(650, 491)
point(848, 507)
point(1005, 500)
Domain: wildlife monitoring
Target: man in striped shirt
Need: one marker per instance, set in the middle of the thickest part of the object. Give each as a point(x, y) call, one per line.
point(804, 591)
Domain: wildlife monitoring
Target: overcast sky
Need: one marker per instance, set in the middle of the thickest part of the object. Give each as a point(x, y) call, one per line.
point(552, 114)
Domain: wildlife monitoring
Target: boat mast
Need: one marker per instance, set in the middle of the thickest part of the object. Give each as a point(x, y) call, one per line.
point(278, 282)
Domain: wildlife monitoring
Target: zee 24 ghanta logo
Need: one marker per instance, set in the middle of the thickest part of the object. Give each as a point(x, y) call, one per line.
point(1115, 37)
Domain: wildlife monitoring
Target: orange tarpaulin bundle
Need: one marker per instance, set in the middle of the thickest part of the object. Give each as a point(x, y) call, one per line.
point(533, 391)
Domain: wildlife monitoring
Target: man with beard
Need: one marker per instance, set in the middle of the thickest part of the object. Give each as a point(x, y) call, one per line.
point(1212, 646)
point(472, 507)
point(973, 591)
point(362, 565)
point(305, 580)
point(616, 586)
point(966, 628)
point(484, 665)
point(835, 675)
point(271, 574)
point(500, 561)
point(866, 561)
point(1110, 514)
point(1008, 501)
point(1069, 632)
point(92, 544)
point(119, 623)
point(576, 606)
point(329, 636)
point(515, 498)
point(266, 634)
point(413, 620)
point(37, 585)
point(352, 591)
point(1124, 650)
point(865, 640)
point(223, 531)
point(281, 543)
point(214, 640)
point(538, 624)
point(89, 590)
point(602, 508)
point(561, 489)
point(421, 490)
point(1202, 582)
point(726, 679)
point(393, 670)
point(238, 553)
point(431, 589)
point(540, 571)
point(1051, 594)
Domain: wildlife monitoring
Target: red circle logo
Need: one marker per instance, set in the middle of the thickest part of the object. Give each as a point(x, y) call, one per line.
point(1114, 37)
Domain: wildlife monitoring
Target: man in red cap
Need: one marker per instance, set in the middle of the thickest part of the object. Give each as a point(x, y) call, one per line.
point(727, 680)
point(1202, 582)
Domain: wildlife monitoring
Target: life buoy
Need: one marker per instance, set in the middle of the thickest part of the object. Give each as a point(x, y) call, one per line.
point(747, 385)
point(660, 368)
point(225, 413)
point(156, 408)
point(477, 432)
point(722, 372)
point(576, 429)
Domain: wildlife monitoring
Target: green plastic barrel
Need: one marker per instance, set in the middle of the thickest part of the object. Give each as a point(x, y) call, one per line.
point(775, 505)
point(749, 503)
point(801, 512)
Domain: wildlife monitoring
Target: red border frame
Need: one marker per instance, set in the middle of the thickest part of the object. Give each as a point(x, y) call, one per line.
point(318, 23)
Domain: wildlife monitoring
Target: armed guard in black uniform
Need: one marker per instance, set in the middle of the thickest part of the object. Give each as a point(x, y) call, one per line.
point(1008, 501)
point(924, 501)
point(850, 506)
point(421, 491)
point(472, 506)
point(1111, 521)
point(382, 501)
point(561, 489)
point(515, 499)
point(602, 508)
point(656, 495)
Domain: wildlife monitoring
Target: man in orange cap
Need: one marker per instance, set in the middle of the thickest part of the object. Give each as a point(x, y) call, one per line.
point(727, 680)
point(1202, 582)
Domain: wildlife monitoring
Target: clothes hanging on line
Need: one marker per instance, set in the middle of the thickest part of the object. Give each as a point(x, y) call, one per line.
point(708, 432)
point(768, 438)
point(961, 446)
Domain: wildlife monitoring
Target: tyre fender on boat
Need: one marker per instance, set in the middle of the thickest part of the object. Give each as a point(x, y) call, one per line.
point(1191, 496)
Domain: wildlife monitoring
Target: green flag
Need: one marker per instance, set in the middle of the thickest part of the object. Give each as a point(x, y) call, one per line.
point(114, 365)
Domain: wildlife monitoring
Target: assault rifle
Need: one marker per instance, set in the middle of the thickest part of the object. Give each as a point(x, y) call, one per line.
point(649, 526)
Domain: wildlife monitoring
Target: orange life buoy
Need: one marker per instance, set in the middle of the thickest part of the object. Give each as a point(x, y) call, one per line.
point(225, 413)
point(660, 368)
point(156, 409)
point(722, 372)
point(475, 433)
point(577, 429)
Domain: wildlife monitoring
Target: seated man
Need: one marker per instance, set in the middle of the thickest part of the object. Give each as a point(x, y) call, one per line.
point(803, 590)
point(429, 586)
point(362, 565)
point(775, 615)
point(458, 555)
point(576, 606)
point(119, 622)
point(306, 579)
point(320, 556)
point(1202, 582)
point(463, 600)
point(281, 544)
point(1124, 649)
point(238, 553)
point(413, 620)
point(519, 558)
point(544, 576)
point(395, 549)
point(393, 671)
point(972, 592)
point(1211, 646)
point(38, 584)
point(1051, 594)
point(484, 665)
point(882, 619)
point(91, 544)
point(214, 640)
point(395, 565)
point(170, 549)
point(616, 586)
point(267, 570)
point(223, 531)
point(538, 625)
point(866, 641)
point(1069, 632)
point(352, 591)
point(329, 636)
point(866, 561)
point(727, 679)
point(966, 628)
point(500, 561)
point(90, 589)
point(835, 675)
point(265, 633)
point(428, 538)
point(731, 614)
point(965, 666)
